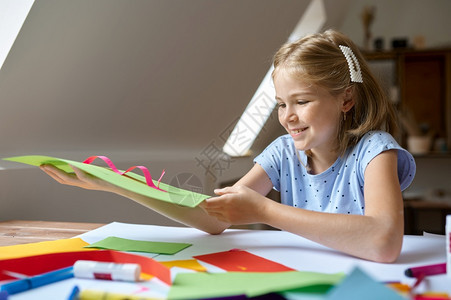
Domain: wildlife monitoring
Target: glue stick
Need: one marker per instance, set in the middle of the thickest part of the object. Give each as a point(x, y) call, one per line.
point(105, 270)
point(448, 245)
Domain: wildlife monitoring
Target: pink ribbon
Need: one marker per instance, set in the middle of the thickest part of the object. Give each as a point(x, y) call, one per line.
point(145, 171)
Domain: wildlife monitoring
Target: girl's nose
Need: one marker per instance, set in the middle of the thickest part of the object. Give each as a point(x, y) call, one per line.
point(290, 114)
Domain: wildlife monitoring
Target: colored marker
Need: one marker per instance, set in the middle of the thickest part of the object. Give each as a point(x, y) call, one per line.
point(74, 293)
point(29, 283)
point(3, 295)
point(448, 244)
point(432, 296)
point(419, 280)
point(426, 270)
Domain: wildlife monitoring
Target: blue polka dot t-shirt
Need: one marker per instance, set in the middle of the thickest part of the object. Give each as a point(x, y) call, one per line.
point(339, 189)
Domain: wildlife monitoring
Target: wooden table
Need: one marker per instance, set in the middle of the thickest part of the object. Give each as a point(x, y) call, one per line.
point(22, 232)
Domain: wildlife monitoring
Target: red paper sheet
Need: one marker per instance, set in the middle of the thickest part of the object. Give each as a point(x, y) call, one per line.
point(236, 260)
point(38, 264)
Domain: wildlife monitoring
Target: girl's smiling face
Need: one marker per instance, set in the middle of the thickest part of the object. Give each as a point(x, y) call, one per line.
point(309, 113)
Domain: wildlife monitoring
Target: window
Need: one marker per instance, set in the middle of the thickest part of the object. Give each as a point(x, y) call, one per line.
point(12, 16)
point(263, 102)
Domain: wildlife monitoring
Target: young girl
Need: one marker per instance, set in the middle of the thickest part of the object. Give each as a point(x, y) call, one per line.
point(339, 171)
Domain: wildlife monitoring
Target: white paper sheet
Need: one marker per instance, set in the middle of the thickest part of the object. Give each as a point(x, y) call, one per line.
point(279, 246)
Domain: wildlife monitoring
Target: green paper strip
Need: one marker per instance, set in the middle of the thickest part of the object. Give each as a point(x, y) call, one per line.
point(132, 181)
point(120, 244)
point(209, 285)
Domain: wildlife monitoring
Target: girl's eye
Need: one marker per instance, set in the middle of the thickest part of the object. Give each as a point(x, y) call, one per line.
point(281, 105)
point(302, 102)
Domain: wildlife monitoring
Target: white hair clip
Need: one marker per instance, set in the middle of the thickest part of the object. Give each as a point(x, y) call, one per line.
point(353, 63)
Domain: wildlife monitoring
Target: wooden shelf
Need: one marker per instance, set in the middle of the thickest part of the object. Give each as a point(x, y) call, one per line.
point(444, 155)
point(394, 54)
point(423, 79)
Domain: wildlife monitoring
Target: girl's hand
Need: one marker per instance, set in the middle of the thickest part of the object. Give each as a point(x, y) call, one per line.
point(79, 179)
point(237, 205)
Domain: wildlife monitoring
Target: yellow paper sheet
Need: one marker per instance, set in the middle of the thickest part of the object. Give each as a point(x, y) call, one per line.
point(63, 245)
point(191, 264)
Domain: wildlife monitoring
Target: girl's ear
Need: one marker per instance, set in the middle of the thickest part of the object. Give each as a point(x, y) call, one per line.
point(348, 99)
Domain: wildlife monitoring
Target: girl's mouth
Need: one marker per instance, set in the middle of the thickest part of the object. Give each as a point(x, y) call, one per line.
point(298, 130)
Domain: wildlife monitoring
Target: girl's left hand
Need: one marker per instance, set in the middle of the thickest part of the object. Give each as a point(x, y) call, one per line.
point(236, 205)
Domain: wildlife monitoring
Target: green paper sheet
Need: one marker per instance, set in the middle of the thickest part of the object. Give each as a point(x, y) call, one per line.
point(120, 244)
point(131, 181)
point(209, 285)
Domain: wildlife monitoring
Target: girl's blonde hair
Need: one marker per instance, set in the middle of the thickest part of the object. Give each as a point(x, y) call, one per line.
point(318, 59)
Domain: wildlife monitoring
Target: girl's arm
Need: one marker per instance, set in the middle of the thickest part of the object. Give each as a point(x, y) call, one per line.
point(195, 217)
point(376, 236)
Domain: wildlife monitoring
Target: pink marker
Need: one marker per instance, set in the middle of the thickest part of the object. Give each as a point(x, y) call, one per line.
point(448, 244)
point(426, 270)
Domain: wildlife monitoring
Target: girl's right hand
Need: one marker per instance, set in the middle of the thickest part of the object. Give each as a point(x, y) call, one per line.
point(78, 179)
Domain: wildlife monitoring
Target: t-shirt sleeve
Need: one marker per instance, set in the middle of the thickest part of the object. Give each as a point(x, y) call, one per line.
point(269, 160)
point(374, 143)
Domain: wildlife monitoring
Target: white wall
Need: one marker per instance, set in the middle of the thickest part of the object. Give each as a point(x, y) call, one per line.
point(150, 82)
